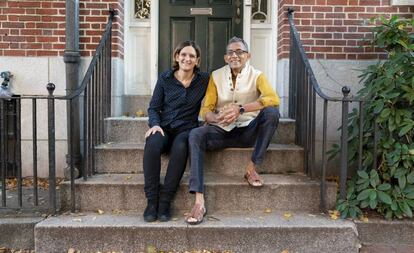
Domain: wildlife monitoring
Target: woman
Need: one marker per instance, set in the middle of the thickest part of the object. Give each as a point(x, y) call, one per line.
point(173, 112)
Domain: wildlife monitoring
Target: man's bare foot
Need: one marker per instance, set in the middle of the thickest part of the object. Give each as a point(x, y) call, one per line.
point(252, 177)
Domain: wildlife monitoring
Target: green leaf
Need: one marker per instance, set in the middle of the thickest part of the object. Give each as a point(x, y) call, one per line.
point(410, 195)
point(384, 187)
point(384, 197)
point(373, 203)
point(402, 182)
point(410, 178)
point(364, 194)
point(406, 209)
point(363, 174)
point(410, 202)
point(394, 206)
point(385, 113)
point(373, 195)
point(405, 130)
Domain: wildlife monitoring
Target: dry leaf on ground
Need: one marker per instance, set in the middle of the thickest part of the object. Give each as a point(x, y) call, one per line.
point(334, 214)
point(268, 210)
point(100, 211)
point(287, 216)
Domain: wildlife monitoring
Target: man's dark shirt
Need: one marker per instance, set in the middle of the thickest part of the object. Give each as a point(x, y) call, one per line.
point(174, 107)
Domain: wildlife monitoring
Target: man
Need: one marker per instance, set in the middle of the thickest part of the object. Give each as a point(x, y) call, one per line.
point(240, 111)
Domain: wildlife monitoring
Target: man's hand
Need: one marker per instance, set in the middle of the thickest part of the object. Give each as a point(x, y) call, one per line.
point(153, 130)
point(229, 114)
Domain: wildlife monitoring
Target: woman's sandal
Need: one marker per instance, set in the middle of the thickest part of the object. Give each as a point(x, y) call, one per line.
point(198, 212)
point(253, 178)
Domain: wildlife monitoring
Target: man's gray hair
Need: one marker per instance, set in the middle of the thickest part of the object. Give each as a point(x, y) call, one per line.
point(237, 39)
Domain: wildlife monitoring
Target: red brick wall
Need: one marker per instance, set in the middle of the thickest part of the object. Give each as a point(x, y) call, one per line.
point(37, 28)
point(335, 29)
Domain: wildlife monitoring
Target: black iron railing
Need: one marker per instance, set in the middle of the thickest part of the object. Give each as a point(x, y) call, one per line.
point(95, 91)
point(303, 92)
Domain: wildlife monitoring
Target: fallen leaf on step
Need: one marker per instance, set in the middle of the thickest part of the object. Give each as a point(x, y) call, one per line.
point(94, 218)
point(151, 249)
point(268, 210)
point(128, 177)
point(334, 214)
point(100, 211)
point(311, 215)
point(285, 251)
point(71, 250)
point(175, 219)
point(140, 113)
point(77, 219)
point(364, 218)
point(116, 211)
point(287, 216)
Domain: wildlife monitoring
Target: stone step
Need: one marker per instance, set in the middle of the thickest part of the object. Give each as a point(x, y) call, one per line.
point(132, 130)
point(127, 158)
point(295, 192)
point(17, 232)
point(255, 232)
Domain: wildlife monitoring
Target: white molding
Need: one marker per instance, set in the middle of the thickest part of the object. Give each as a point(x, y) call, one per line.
point(402, 2)
point(247, 12)
point(155, 6)
point(279, 86)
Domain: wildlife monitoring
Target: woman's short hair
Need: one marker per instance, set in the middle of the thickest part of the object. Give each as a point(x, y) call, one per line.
point(180, 46)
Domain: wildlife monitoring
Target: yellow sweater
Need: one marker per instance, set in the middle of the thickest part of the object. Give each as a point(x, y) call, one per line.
point(251, 85)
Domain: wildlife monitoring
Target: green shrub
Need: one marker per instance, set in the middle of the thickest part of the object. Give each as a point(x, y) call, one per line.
point(388, 88)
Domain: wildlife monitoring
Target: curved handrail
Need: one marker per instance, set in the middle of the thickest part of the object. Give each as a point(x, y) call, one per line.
point(313, 81)
point(98, 50)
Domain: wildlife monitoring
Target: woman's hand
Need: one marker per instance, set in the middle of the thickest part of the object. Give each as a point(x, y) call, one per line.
point(153, 130)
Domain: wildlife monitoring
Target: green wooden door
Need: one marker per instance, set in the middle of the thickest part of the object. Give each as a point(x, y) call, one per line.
point(210, 23)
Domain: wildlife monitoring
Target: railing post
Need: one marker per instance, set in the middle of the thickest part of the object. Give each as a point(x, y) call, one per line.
point(344, 143)
point(51, 141)
point(323, 173)
point(3, 159)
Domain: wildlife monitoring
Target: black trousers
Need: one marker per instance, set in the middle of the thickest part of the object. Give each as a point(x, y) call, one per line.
point(174, 143)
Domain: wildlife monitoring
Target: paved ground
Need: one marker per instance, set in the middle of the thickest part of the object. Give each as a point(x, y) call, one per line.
point(29, 209)
point(387, 249)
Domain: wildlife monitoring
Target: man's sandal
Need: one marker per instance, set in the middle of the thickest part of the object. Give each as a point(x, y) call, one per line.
point(196, 215)
point(253, 178)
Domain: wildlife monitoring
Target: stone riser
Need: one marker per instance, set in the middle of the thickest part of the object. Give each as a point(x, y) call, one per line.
point(250, 234)
point(128, 159)
point(223, 194)
point(132, 130)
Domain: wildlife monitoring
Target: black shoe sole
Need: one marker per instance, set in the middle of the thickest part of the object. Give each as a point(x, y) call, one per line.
point(164, 218)
point(150, 219)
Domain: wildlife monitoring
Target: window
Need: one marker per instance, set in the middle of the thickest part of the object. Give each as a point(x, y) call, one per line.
point(260, 11)
point(142, 9)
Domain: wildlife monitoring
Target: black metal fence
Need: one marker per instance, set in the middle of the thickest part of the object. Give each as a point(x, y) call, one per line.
point(95, 91)
point(303, 93)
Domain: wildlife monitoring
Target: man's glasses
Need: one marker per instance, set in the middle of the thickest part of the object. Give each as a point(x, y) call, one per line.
point(238, 52)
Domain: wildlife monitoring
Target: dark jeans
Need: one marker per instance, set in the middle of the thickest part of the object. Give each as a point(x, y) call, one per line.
point(258, 134)
point(155, 145)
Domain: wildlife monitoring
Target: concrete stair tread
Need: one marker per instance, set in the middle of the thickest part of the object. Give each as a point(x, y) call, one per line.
point(209, 179)
point(140, 146)
point(127, 158)
point(274, 219)
point(295, 192)
point(248, 232)
point(132, 130)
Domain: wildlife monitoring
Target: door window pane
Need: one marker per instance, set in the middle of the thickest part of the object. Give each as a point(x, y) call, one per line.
point(142, 9)
point(260, 11)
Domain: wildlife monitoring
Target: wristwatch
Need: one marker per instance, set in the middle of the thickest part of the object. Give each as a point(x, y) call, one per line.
point(241, 109)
